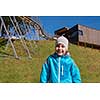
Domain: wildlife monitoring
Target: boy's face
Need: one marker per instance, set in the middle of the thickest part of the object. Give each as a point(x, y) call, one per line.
point(60, 49)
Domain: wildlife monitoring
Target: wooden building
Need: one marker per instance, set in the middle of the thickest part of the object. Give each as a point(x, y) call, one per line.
point(62, 31)
point(83, 35)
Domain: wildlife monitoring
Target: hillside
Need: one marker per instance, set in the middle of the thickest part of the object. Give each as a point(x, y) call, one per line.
point(28, 70)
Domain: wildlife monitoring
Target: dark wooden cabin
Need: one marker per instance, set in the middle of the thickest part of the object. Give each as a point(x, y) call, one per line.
point(80, 34)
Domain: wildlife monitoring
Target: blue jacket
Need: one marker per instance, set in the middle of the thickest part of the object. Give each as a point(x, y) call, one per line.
point(60, 69)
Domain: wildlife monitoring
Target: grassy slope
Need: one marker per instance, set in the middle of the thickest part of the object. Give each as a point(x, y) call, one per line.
point(88, 61)
point(28, 70)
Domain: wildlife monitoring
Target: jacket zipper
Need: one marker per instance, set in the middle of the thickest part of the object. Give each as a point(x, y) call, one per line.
point(62, 70)
point(59, 70)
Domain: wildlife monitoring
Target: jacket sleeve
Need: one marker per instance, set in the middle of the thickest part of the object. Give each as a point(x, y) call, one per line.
point(76, 78)
point(44, 76)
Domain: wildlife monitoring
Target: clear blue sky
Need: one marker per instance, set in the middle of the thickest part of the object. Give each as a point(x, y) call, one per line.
point(52, 23)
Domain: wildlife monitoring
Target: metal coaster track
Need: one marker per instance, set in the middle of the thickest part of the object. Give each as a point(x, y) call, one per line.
point(28, 21)
point(35, 25)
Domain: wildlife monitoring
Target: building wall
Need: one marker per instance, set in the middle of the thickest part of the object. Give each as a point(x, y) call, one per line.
point(89, 35)
point(81, 33)
point(73, 33)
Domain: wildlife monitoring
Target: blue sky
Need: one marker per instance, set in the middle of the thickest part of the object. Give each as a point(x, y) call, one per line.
point(52, 23)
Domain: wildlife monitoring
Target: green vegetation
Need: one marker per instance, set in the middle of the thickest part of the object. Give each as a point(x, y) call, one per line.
point(25, 70)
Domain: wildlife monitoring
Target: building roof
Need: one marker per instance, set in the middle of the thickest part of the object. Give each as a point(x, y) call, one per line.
point(61, 31)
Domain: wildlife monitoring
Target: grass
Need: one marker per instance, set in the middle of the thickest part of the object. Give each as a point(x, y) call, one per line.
point(88, 61)
point(27, 70)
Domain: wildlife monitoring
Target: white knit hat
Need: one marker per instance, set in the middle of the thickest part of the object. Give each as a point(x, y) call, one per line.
point(63, 41)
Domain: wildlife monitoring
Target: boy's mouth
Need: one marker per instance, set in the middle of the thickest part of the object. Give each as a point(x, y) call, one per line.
point(60, 52)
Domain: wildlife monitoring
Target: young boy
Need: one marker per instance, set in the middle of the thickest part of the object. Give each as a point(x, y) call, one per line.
point(60, 67)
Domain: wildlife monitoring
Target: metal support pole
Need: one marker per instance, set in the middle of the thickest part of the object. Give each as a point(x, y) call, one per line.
point(23, 39)
point(9, 37)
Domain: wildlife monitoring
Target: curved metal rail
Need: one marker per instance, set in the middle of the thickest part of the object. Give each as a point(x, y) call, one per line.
point(37, 26)
point(27, 21)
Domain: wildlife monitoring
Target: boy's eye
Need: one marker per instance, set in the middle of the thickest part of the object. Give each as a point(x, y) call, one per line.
point(63, 46)
point(57, 45)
